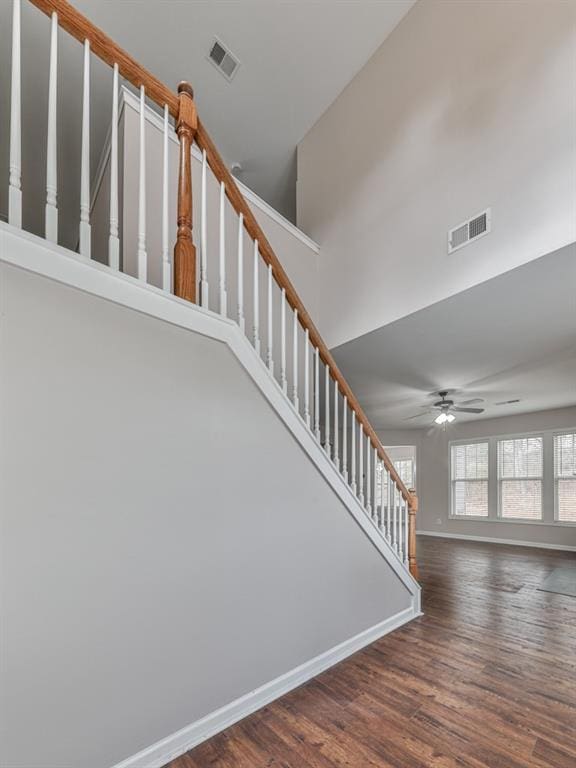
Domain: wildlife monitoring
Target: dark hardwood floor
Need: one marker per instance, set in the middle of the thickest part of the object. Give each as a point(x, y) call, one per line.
point(485, 679)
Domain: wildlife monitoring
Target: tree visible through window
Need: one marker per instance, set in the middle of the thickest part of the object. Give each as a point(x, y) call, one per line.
point(469, 473)
point(520, 470)
point(565, 477)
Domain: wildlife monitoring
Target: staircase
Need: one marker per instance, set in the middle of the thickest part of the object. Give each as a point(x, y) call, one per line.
point(243, 408)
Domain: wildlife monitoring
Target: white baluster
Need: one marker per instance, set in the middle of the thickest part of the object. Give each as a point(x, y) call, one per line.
point(399, 524)
point(204, 299)
point(345, 438)
point(388, 506)
point(84, 246)
point(368, 478)
point(15, 182)
point(295, 361)
point(374, 484)
point(222, 251)
point(353, 484)
point(382, 498)
point(256, 332)
point(113, 237)
point(317, 394)
point(307, 377)
point(51, 213)
point(394, 516)
point(361, 463)
point(283, 379)
point(269, 352)
point(377, 481)
point(327, 446)
point(241, 321)
point(166, 270)
point(406, 533)
point(142, 255)
point(402, 531)
point(336, 436)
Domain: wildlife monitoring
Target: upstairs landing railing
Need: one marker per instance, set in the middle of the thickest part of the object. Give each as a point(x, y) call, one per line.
point(317, 389)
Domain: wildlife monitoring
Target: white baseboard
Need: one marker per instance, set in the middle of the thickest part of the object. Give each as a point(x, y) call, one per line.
point(490, 540)
point(182, 741)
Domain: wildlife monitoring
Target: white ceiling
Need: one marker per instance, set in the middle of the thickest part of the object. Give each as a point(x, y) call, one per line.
point(511, 337)
point(296, 57)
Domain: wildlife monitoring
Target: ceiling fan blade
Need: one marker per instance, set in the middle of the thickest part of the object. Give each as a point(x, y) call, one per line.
point(471, 402)
point(467, 410)
point(416, 416)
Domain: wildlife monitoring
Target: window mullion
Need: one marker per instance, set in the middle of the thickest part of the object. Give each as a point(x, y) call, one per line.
point(493, 485)
point(548, 511)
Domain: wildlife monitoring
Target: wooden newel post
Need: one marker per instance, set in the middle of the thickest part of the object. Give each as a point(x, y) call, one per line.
point(412, 511)
point(184, 250)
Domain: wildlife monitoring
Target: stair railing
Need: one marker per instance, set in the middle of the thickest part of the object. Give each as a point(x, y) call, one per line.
point(318, 391)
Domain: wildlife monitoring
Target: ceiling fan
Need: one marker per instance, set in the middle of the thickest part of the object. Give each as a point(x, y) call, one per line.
point(446, 408)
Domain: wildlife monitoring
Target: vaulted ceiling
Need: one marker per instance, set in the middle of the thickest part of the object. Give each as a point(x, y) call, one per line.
point(296, 57)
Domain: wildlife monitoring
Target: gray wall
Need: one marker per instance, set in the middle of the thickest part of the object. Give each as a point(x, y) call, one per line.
point(432, 471)
point(158, 559)
point(465, 105)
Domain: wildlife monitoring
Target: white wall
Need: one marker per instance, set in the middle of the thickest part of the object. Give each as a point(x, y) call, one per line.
point(433, 479)
point(157, 559)
point(466, 105)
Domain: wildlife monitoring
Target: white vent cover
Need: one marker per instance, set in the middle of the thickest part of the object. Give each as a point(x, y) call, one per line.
point(472, 229)
point(224, 61)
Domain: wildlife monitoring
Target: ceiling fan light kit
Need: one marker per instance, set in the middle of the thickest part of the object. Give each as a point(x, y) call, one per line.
point(448, 408)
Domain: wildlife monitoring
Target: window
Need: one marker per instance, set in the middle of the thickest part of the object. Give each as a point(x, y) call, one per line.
point(520, 468)
point(469, 466)
point(565, 477)
point(405, 468)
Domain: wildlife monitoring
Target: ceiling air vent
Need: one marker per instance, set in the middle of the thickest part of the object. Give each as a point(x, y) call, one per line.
point(223, 59)
point(470, 230)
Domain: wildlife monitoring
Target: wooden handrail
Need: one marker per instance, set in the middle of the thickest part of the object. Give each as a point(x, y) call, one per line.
point(255, 231)
point(106, 49)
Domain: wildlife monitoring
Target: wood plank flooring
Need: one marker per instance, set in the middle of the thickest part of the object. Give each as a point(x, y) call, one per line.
point(486, 679)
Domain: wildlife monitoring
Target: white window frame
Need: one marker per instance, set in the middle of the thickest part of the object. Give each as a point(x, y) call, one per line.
point(540, 478)
point(549, 501)
point(412, 462)
point(557, 520)
point(451, 482)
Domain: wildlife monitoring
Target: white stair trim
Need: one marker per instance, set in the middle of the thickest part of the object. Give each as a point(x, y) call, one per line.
point(177, 744)
point(69, 268)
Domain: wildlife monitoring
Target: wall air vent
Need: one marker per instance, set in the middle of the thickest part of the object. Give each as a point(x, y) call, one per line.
point(469, 230)
point(225, 61)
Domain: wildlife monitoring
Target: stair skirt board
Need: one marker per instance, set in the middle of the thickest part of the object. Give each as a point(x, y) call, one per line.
point(491, 540)
point(165, 750)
